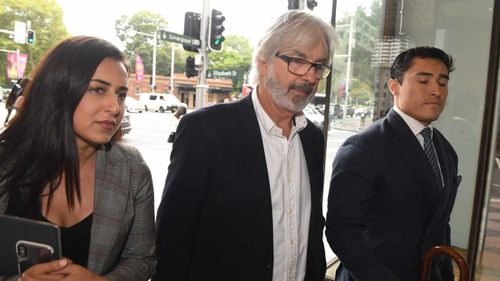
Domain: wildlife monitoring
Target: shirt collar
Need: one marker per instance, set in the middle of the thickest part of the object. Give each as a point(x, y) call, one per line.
point(414, 124)
point(300, 121)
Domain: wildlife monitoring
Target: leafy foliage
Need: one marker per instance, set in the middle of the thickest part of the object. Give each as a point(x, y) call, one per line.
point(362, 74)
point(129, 31)
point(236, 54)
point(46, 17)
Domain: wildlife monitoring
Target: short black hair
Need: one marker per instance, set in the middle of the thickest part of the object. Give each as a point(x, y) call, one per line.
point(404, 60)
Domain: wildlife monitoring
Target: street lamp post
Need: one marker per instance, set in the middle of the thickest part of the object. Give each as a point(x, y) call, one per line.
point(155, 39)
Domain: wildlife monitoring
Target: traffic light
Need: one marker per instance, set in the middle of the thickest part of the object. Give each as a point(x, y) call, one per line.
point(190, 68)
point(293, 5)
point(216, 29)
point(192, 23)
point(30, 36)
point(311, 4)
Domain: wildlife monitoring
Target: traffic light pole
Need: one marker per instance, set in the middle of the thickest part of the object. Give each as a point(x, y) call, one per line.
point(172, 69)
point(202, 87)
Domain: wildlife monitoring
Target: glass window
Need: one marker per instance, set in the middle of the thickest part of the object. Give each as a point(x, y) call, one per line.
point(370, 38)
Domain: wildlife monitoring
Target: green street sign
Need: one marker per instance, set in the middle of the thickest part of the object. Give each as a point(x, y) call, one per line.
point(179, 38)
point(232, 74)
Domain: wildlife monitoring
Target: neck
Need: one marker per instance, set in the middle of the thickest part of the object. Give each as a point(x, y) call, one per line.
point(281, 117)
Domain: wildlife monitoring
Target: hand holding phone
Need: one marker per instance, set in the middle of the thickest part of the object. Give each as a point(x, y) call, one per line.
point(53, 270)
point(30, 253)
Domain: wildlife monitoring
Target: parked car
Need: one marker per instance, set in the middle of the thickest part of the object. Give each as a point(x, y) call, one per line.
point(126, 126)
point(314, 116)
point(159, 102)
point(133, 105)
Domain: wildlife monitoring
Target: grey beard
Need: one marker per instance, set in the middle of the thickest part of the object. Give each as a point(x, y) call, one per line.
point(281, 96)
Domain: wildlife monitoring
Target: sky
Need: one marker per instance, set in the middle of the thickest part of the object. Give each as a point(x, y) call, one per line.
point(245, 18)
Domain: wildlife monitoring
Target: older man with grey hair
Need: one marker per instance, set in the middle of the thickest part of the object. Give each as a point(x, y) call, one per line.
point(242, 199)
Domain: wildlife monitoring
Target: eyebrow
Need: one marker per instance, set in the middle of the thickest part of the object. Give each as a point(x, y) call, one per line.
point(101, 81)
point(303, 56)
point(108, 84)
point(430, 75)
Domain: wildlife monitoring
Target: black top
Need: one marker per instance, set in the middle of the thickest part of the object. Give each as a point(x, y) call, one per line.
point(75, 240)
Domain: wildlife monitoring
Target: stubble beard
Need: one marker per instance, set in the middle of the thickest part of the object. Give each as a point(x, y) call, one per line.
point(282, 97)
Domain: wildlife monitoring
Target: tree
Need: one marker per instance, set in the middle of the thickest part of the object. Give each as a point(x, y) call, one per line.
point(135, 43)
point(236, 54)
point(366, 32)
point(46, 17)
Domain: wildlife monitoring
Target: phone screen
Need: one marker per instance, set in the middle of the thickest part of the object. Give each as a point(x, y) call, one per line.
point(31, 253)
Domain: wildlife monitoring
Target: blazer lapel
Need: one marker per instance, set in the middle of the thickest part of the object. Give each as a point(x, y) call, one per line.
point(409, 147)
point(110, 201)
point(448, 192)
point(255, 157)
point(311, 151)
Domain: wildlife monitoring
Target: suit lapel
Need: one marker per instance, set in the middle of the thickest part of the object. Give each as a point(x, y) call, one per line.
point(311, 150)
point(409, 147)
point(448, 192)
point(255, 158)
point(110, 201)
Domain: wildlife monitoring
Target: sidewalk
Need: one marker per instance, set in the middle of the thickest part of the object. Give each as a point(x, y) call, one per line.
point(353, 124)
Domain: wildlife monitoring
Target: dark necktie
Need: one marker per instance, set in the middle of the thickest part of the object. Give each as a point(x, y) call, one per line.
point(431, 154)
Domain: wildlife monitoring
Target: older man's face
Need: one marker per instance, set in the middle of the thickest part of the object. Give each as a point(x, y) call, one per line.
point(290, 91)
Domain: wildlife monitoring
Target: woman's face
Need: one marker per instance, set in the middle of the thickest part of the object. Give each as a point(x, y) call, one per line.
point(99, 114)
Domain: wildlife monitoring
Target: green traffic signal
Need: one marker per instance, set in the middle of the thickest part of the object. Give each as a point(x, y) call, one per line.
point(30, 36)
point(216, 28)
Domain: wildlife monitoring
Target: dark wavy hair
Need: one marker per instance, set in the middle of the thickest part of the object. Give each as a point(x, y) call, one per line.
point(404, 60)
point(39, 146)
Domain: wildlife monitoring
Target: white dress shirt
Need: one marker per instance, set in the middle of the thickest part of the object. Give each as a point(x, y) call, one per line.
point(290, 194)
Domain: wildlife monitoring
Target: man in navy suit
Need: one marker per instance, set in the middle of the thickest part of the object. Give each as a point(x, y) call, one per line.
point(390, 202)
point(242, 198)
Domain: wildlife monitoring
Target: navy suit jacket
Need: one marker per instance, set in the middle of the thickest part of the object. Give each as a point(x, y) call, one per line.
point(215, 218)
point(385, 208)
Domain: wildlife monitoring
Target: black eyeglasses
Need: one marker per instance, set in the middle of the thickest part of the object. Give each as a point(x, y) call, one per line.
point(301, 67)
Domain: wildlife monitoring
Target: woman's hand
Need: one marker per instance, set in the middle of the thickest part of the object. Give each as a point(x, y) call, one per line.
point(75, 272)
point(46, 271)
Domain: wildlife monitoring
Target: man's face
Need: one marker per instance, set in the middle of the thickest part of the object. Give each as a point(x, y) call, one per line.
point(423, 92)
point(292, 92)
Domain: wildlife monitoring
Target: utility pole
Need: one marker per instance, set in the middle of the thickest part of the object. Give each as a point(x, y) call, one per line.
point(348, 69)
point(202, 87)
point(155, 39)
point(172, 70)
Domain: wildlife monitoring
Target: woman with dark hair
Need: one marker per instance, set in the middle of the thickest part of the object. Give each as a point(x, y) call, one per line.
point(60, 162)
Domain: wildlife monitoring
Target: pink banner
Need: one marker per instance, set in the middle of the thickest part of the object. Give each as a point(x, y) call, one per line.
point(16, 65)
point(139, 69)
point(21, 64)
point(12, 66)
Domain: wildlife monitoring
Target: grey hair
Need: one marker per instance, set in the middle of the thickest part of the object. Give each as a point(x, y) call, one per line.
point(294, 30)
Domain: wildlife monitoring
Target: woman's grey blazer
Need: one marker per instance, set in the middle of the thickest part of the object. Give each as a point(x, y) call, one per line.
point(122, 245)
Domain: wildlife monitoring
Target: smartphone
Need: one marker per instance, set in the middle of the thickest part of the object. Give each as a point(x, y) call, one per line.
point(30, 253)
point(24, 242)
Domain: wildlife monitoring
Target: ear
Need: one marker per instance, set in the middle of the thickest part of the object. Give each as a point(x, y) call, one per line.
point(263, 68)
point(19, 102)
point(393, 86)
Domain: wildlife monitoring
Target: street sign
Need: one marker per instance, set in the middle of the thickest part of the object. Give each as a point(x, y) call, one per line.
point(20, 32)
point(225, 74)
point(179, 38)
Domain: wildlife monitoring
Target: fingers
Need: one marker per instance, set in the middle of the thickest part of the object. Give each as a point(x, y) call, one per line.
point(45, 271)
